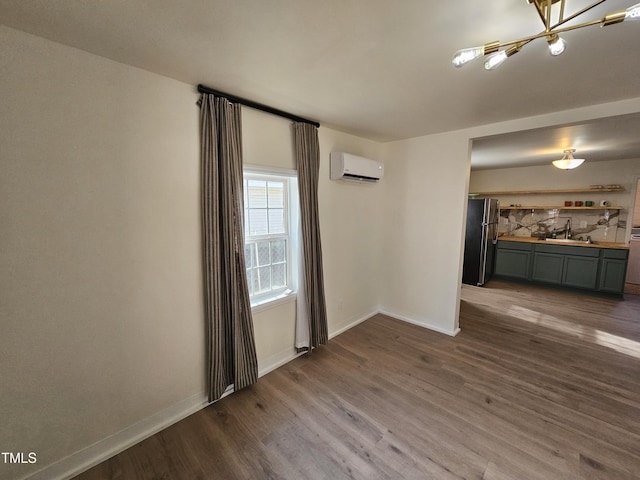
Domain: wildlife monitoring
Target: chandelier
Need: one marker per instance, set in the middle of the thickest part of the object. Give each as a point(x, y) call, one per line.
point(567, 162)
point(550, 11)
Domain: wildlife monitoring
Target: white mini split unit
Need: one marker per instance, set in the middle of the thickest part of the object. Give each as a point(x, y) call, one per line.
point(345, 166)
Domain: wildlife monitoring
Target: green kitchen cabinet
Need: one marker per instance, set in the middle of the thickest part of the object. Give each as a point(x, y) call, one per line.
point(580, 272)
point(587, 268)
point(613, 270)
point(513, 259)
point(547, 268)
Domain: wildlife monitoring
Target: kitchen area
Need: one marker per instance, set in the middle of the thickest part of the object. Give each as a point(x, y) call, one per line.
point(562, 228)
point(556, 245)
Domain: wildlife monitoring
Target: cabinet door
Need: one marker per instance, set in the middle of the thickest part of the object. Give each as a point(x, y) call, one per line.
point(580, 272)
point(612, 273)
point(512, 263)
point(548, 268)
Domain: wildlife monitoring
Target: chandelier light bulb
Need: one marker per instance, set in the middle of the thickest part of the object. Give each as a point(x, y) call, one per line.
point(495, 60)
point(498, 58)
point(633, 13)
point(557, 45)
point(468, 54)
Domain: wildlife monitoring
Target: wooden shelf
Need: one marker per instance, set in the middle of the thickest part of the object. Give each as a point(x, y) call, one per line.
point(558, 207)
point(542, 192)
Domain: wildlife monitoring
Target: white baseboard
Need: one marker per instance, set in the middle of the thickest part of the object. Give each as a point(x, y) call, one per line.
point(86, 458)
point(83, 460)
point(419, 322)
point(353, 323)
point(91, 456)
point(277, 360)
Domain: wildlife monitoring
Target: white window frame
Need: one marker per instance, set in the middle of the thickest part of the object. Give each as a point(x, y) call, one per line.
point(277, 296)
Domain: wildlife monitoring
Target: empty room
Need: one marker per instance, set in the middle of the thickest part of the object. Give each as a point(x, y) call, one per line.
point(343, 239)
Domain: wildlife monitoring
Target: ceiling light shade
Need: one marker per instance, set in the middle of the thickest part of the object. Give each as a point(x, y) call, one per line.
point(567, 162)
point(552, 14)
point(557, 45)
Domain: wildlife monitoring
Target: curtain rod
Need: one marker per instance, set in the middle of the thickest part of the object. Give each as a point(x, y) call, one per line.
point(257, 106)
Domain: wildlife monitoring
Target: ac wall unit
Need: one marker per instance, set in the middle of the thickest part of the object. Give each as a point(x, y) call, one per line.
point(345, 166)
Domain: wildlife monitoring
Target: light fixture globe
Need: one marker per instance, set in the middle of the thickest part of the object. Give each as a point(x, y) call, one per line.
point(567, 162)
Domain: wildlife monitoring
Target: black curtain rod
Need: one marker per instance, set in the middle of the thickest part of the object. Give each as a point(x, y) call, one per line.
point(257, 106)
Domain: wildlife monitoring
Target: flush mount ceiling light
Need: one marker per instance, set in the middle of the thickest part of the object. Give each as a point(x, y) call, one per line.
point(567, 162)
point(550, 11)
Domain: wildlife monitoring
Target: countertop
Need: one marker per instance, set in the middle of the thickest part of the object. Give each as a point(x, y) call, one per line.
point(622, 246)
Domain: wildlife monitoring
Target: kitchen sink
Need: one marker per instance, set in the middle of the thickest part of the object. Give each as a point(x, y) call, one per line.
point(570, 241)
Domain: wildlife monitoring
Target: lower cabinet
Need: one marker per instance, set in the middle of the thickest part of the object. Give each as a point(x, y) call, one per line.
point(513, 263)
point(612, 275)
point(547, 267)
point(580, 272)
point(613, 270)
point(589, 268)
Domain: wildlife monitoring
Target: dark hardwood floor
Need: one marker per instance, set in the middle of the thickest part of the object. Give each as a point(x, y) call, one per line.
point(540, 384)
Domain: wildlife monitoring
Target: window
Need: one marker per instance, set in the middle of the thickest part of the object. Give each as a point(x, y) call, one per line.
point(268, 243)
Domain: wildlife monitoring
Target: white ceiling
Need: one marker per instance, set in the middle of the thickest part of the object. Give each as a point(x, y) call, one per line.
point(612, 138)
point(376, 68)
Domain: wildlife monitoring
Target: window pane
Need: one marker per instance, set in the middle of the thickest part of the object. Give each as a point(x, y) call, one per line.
point(266, 208)
point(278, 249)
point(279, 275)
point(244, 193)
point(258, 221)
point(257, 193)
point(263, 253)
point(248, 255)
point(276, 220)
point(264, 275)
point(276, 195)
point(254, 282)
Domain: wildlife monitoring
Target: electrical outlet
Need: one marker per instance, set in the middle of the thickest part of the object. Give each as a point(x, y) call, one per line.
point(583, 224)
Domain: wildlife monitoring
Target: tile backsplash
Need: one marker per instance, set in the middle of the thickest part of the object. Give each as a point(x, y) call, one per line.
point(601, 225)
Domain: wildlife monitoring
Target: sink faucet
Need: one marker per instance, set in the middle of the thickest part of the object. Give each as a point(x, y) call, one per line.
point(567, 229)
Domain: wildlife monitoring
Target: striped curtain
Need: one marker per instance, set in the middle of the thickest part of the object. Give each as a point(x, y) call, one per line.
point(231, 346)
point(311, 324)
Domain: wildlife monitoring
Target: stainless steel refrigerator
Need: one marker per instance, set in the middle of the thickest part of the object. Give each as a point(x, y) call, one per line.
point(480, 240)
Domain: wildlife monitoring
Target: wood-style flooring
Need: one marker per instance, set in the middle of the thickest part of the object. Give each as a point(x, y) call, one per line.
point(540, 384)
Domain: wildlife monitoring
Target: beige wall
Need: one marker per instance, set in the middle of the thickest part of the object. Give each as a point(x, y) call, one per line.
point(425, 193)
point(425, 210)
point(100, 277)
point(350, 229)
point(100, 303)
point(102, 328)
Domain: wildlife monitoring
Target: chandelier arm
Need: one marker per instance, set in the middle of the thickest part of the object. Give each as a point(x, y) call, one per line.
point(577, 14)
point(525, 40)
point(539, 10)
